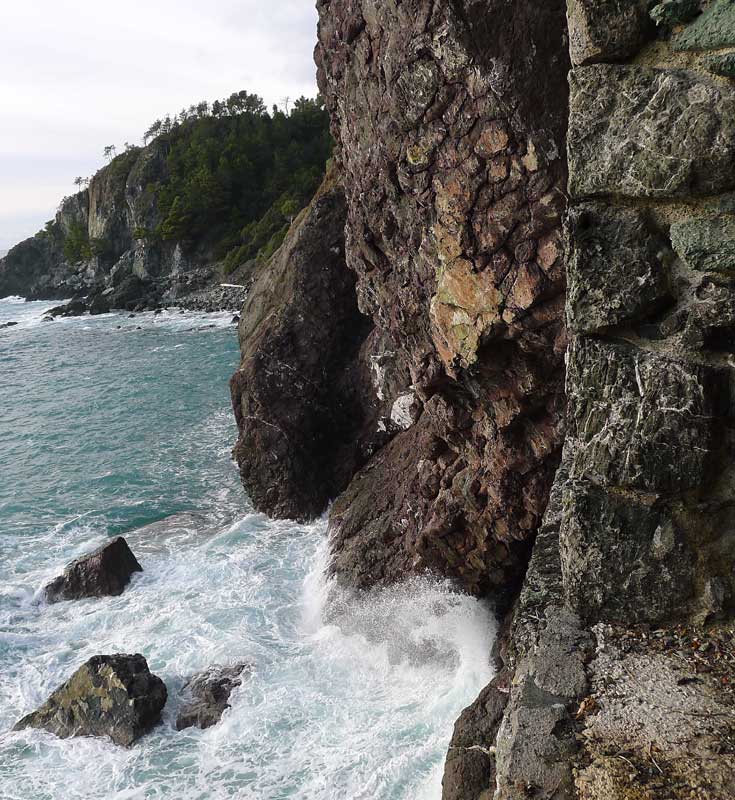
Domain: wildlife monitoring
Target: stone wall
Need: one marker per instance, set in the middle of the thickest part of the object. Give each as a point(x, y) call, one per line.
point(636, 553)
point(648, 508)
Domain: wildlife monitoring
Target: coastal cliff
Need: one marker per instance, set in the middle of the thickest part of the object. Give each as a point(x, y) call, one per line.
point(210, 196)
point(527, 334)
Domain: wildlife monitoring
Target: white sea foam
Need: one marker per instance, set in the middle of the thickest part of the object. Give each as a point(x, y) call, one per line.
point(349, 698)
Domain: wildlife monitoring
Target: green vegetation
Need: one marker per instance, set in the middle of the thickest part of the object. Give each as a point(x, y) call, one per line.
point(77, 246)
point(231, 179)
point(237, 174)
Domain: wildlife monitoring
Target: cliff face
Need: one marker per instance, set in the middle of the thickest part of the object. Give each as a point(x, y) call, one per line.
point(455, 180)
point(304, 424)
point(632, 570)
point(464, 139)
point(104, 224)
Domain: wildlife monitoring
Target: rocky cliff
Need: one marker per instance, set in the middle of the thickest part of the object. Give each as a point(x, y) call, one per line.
point(210, 196)
point(98, 243)
point(529, 186)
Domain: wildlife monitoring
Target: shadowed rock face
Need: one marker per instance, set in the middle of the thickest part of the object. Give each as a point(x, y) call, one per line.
point(115, 696)
point(298, 395)
point(106, 571)
point(451, 139)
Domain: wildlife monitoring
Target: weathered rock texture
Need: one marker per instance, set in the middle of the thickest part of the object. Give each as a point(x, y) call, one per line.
point(115, 696)
point(451, 139)
point(456, 135)
point(106, 571)
point(207, 696)
point(638, 535)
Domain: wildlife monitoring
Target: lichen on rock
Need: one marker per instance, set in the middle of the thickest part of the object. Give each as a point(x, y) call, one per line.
point(114, 696)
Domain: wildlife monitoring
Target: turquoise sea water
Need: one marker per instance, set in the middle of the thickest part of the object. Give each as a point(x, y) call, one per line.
point(111, 425)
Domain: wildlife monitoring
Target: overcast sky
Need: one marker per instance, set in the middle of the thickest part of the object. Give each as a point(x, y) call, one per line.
point(77, 75)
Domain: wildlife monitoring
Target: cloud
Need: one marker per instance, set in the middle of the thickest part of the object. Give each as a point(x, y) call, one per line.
point(79, 75)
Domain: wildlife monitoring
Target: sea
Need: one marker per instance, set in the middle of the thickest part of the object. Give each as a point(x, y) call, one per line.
point(113, 425)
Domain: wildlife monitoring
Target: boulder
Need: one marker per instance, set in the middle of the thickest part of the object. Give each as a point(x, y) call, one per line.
point(115, 696)
point(7, 325)
point(130, 292)
point(99, 304)
point(75, 308)
point(106, 571)
point(207, 695)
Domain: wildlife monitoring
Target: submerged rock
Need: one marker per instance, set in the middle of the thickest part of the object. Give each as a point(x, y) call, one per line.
point(106, 571)
point(7, 325)
point(208, 694)
point(115, 696)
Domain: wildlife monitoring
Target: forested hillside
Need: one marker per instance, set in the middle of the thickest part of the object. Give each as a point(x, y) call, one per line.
point(216, 186)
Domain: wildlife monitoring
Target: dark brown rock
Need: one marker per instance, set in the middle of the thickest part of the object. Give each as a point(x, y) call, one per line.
point(299, 395)
point(207, 695)
point(451, 139)
point(469, 771)
point(106, 571)
point(115, 696)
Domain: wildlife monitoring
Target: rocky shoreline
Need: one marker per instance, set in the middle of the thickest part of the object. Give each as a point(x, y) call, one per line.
point(117, 696)
point(538, 222)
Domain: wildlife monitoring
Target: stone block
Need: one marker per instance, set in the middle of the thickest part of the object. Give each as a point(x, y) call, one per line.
point(645, 132)
point(606, 30)
point(622, 561)
point(639, 420)
point(615, 269)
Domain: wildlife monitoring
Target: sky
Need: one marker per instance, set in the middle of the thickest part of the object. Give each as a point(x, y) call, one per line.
point(78, 75)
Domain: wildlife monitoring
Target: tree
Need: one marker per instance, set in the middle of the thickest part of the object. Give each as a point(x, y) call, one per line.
point(152, 132)
point(78, 182)
point(110, 152)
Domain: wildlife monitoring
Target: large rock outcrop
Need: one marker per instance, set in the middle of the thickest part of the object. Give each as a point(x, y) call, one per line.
point(462, 146)
point(450, 135)
point(106, 571)
point(115, 696)
point(632, 571)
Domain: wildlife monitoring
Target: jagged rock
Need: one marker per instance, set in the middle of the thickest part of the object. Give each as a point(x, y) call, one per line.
point(75, 308)
point(616, 270)
point(715, 29)
point(675, 12)
point(606, 30)
point(536, 742)
point(469, 770)
point(647, 132)
point(8, 325)
point(99, 304)
point(707, 245)
point(640, 420)
point(621, 559)
point(723, 64)
point(208, 694)
point(130, 292)
point(450, 136)
point(115, 696)
point(300, 396)
point(106, 571)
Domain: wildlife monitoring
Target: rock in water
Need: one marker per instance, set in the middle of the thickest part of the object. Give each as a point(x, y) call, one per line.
point(106, 571)
point(115, 696)
point(208, 693)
